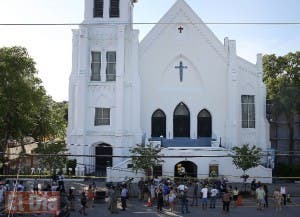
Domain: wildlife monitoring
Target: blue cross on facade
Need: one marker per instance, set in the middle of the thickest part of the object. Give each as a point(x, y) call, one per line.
point(181, 67)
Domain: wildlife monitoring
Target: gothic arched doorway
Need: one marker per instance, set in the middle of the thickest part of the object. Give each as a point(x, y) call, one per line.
point(181, 121)
point(158, 124)
point(185, 169)
point(204, 124)
point(103, 159)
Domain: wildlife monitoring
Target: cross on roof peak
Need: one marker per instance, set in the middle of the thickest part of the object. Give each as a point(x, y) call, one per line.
point(180, 29)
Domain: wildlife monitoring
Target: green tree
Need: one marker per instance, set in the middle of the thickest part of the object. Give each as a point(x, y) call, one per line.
point(20, 92)
point(25, 108)
point(71, 163)
point(51, 122)
point(52, 155)
point(282, 79)
point(146, 157)
point(246, 157)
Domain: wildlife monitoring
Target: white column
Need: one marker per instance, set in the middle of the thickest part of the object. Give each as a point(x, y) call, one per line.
point(103, 65)
point(120, 82)
point(233, 117)
point(106, 8)
point(83, 89)
point(260, 106)
point(72, 82)
point(193, 124)
point(83, 79)
point(136, 96)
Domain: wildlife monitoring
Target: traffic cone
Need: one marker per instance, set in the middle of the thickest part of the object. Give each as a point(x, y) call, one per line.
point(149, 203)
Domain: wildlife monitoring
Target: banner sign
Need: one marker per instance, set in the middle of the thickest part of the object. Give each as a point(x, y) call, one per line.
point(31, 202)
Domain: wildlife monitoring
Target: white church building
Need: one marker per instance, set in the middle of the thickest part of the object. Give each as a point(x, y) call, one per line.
point(179, 87)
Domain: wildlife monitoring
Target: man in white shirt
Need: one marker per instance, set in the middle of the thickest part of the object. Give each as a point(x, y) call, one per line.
point(213, 197)
point(124, 197)
point(283, 191)
point(182, 187)
point(204, 192)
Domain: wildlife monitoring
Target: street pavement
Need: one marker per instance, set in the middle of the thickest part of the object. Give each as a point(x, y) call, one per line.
point(247, 209)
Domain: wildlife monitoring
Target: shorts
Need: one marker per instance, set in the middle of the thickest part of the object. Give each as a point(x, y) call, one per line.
point(204, 200)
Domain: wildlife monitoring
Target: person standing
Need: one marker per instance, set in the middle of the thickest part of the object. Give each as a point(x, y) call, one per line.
point(235, 195)
point(124, 196)
point(277, 199)
point(283, 191)
point(141, 188)
point(113, 200)
point(260, 197)
point(71, 198)
point(184, 200)
point(253, 187)
point(266, 196)
point(83, 201)
point(195, 194)
point(152, 192)
point(160, 199)
point(166, 191)
point(213, 197)
point(145, 191)
point(172, 197)
point(90, 196)
point(226, 200)
point(204, 193)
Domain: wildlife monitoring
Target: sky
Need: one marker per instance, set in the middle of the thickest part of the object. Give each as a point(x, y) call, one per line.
point(51, 46)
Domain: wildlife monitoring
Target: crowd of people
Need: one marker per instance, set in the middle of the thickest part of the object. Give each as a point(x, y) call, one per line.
point(261, 193)
point(162, 193)
point(167, 193)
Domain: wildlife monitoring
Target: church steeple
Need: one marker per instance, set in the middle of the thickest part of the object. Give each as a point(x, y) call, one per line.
point(101, 11)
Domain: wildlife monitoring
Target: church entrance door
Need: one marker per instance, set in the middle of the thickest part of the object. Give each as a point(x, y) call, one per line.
point(181, 121)
point(103, 159)
point(185, 169)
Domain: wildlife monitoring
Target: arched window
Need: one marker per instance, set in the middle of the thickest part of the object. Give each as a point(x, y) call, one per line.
point(158, 124)
point(181, 121)
point(204, 124)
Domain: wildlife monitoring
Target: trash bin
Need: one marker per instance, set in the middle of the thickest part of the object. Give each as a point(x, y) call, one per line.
point(99, 196)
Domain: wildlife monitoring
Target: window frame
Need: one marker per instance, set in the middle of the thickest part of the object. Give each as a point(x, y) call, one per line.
point(248, 111)
point(101, 118)
point(95, 76)
point(96, 13)
point(114, 9)
point(111, 65)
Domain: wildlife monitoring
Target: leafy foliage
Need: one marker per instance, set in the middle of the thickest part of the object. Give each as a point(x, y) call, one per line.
point(71, 163)
point(25, 108)
point(20, 92)
point(246, 157)
point(145, 157)
point(52, 155)
point(282, 78)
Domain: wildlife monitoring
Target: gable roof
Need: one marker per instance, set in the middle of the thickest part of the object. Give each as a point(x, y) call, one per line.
point(190, 17)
